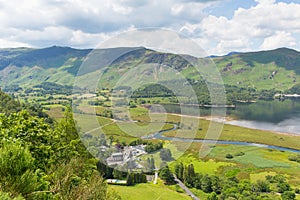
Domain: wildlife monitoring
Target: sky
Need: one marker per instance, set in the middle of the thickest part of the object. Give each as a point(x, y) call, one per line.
point(218, 26)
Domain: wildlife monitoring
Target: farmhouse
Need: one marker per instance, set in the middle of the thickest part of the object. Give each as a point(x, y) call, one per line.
point(115, 158)
point(129, 154)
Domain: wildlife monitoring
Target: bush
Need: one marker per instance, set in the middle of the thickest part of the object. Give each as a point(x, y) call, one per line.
point(239, 154)
point(229, 156)
point(288, 195)
point(6, 196)
point(282, 187)
point(166, 175)
point(294, 158)
point(16, 170)
point(262, 186)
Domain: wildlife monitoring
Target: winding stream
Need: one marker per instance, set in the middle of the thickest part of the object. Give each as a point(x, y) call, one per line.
point(159, 135)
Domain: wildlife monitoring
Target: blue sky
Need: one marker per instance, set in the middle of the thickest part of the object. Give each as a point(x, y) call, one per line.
point(218, 26)
point(226, 8)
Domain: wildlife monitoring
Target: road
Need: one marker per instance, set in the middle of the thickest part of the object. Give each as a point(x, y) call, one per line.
point(155, 178)
point(185, 188)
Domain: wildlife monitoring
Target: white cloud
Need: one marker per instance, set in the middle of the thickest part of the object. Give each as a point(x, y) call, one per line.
point(279, 39)
point(42, 22)
point(81, 39)
point(76, 23)
point(225, 46)
point(62, 35)
point(12, 44)
point(272, 24)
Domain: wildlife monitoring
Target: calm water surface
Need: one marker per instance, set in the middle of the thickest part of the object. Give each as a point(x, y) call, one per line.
point(291, 125)
point(279, 116)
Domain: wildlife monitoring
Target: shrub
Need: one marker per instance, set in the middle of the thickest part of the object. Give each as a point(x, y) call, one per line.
point(288, 195)
point(229, 156)
point(239, 154)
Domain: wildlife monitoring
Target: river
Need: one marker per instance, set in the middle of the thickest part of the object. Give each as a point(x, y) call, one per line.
point(159, 135)
point(278, 116)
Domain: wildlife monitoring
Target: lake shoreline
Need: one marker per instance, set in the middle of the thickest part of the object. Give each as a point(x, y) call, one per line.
point(227, 119)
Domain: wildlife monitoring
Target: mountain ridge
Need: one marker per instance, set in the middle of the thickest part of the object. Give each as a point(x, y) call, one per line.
point(61, 64)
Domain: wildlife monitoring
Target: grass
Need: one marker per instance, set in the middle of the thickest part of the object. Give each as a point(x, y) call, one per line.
point(255, 156)
point(149, 191)
point(199, 193)
point(123, 131)
point(208, 167)
point(252, 76)
point(257, 76)
point(236, 133)
point(255, 159)
point(256, 162)
point(56, 111)
point(261, 176)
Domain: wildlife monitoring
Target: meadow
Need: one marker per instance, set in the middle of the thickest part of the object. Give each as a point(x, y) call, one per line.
point(254, 163)
point(149, 191)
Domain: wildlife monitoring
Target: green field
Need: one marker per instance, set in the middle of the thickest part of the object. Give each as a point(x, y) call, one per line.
point(256, 161)
point(237, 133)
point(55, 111)
point(254, 164)
point(149, 191)
point(189, 127)
point(210, 166)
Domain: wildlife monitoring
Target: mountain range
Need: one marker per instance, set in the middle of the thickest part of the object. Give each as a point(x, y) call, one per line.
point(27, 67)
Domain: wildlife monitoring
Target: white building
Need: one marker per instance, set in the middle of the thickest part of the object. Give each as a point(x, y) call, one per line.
point(115, 158)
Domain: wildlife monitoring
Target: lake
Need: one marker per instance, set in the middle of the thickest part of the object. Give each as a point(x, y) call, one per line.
point(159, 135)
point(280, 116)
point(291, 125)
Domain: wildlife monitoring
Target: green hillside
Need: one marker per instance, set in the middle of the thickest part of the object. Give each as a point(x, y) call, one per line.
point(23, 67)
point(261, 70)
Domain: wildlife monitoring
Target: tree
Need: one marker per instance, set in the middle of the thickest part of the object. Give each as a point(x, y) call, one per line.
point(139, 178)
point(189, 175)
point(212, 196)
point(216, 184)
point(39, 160)
point(179, 168)
point(262, 186)
point(130, 179)
point(191, 171)
point(68, 126)
point(165, 154)
point(283, 186)
point(244, 185)
point(17, 175)
point(151, 164)
point(197, 181)
point(288, 195)
point(117, 174)
point(6, 196)
point(77, 180)
point(206, 184)
point(278, 178)
point(166, 175)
